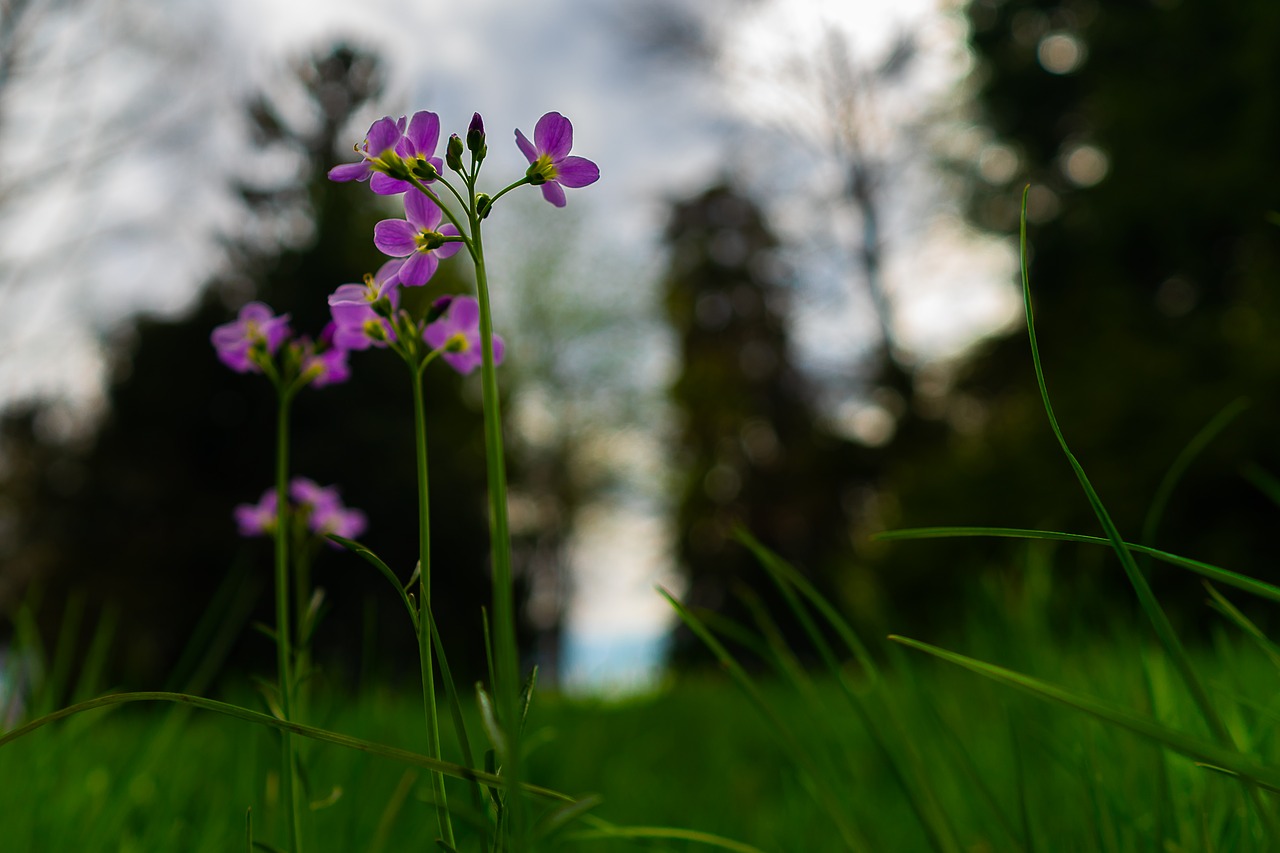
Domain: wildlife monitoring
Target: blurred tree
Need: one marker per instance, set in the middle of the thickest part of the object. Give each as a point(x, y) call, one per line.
point(1148, 131)
point(749, 447)
point(141, 515)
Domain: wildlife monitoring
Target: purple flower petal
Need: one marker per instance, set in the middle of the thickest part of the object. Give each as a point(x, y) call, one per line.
point(383, 135)
point(422, 212)
point(526, 147)
point(387, 277)
point(576, 172)
point(350, 171)
point(554, 136)
point(464, 314)
point(448, 250)
point(424, 133)
point(387, 185)
point(551, 192)
point(499, 349)
point(395, 237)
point(418, 269)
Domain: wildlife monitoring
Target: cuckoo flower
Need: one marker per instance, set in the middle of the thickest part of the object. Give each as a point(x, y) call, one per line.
point(257, 519)
point(324, 509)
point(325, 362)
point(550, 165)
point(416, 239)
point(377, 151)
point(457, 334)
point(416, 148)
point(255, 329)
point(321, 506)
point(357, 324)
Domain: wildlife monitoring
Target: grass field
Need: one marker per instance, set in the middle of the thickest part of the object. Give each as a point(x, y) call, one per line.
point(1008, 771)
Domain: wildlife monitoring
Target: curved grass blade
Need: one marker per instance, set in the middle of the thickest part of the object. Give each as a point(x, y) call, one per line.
point(910, 773)
point(403, 756)
point(606, 830)
point(1201, 440)
point(1253, 586)
point(849, 833)
point(1206, 752)
point(373, 560)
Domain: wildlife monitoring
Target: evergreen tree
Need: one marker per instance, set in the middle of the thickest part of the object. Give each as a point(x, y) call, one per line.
point(749, 450)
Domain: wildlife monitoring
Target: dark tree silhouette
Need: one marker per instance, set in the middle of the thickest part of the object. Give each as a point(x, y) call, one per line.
point(748, 450)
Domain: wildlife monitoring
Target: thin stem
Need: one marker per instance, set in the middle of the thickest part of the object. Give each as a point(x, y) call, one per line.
point(444, 208)
point(424, 605)
point(500, 193)
point(507, 688)
point(283, 634)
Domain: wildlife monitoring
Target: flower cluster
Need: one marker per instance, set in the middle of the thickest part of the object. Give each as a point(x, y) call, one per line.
point(321, 507)
point(252, 342)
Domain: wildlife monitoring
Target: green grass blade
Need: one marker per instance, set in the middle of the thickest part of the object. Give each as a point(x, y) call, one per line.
point(910, 774)
point(605, 830)
point(785, 575)
point(455, 711)
point(1244, 623)
point(1201, 440)
point(1207, 752)
point(381, 750)
point(1146, 599)
point(373, 560)
point(853, 837)
point(1253, 586)
point(1263, 482)
point(564, 815)
point(391, 811)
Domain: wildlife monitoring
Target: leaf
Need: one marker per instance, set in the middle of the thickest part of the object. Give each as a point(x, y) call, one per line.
point(1199, 750)
point(373, 560)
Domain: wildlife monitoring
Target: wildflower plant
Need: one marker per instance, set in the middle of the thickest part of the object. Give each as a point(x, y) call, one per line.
point(444, 211)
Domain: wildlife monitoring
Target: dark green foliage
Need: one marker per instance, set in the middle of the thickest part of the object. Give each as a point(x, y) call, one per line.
point(1155, 291)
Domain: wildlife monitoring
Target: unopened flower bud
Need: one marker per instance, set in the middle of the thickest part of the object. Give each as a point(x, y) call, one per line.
point(425, 171)
point(375, 331)
point(484, 204)
point(453, 153)
point(475, 137)
point(437, 308)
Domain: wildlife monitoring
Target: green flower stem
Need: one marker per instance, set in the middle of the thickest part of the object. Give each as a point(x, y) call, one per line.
point(507, 688)
point(424, 604)
point(288, 789)
point(500, 193)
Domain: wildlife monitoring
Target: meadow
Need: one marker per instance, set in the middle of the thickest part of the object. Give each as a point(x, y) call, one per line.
point(1009, 771)
point(1117, 734)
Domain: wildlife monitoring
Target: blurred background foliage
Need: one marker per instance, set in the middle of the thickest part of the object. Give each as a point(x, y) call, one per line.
point(1149, 133)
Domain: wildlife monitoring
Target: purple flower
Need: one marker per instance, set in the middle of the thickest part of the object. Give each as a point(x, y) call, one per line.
point(257, 519)
point(321, 506)
point(550, 165)
point(356, 324)
point(417, 144)
point(378, 149)
point(415, 238)
point(324, 509)
point(255, 327)
point(326, 364)
point(457, 333)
